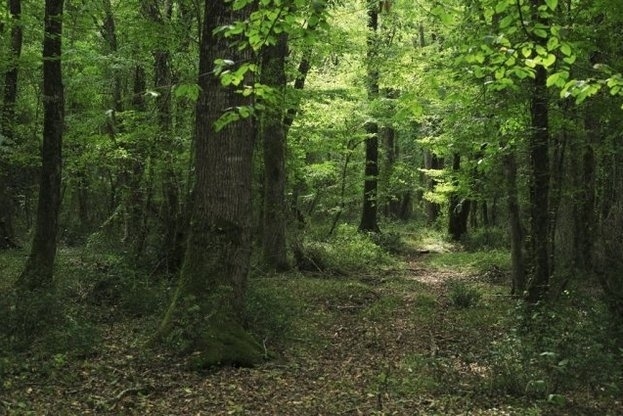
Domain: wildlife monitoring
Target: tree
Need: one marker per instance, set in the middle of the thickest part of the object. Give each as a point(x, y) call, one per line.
point(209, 301)
point(273, 137)
point(7, 120)
point(39, 268)
point(371, 171)
point(540, 175)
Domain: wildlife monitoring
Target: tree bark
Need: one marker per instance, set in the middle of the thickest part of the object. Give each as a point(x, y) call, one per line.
point(39, 268)
point(7, 120)
point(518, 268)
point(459, 208)
point(539, 189)
point(369, 222)
point(209, 301)
point(273, 137)
point(431, 161)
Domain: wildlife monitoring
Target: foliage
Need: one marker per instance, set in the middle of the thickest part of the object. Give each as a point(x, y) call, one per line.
point(463, 295)
point(480, 261)
point(272, 310)
point(348, 252)
point(485, 239)
point(553, 349)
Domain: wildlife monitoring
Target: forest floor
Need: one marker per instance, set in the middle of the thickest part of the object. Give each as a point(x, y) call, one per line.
point(394, 343)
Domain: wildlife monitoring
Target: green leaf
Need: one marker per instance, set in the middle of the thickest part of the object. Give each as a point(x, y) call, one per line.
point(526, 51)
point(552, 44)
point(570, 59)
point(542, 33)
point(552, 4)
point(549, 60)
point(506, 22)
point(565, 48)
point(189, 91)
point(558, 79)
point(501, 6)
point(443, 15)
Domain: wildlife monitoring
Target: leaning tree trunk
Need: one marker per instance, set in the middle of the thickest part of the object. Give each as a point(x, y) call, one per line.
point(7, 120)
point(272, 134)
point(39, 268)
point(371, 171)
point(209, 302)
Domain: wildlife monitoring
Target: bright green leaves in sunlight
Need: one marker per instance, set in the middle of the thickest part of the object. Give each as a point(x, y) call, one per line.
point(518, 39)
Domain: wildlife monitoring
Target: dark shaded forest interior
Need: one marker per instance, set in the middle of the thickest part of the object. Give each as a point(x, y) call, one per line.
point(289, 207)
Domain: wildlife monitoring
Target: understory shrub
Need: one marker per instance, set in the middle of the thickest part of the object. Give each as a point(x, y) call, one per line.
point(270, 310)
point(463, 295)
point(346, 252)
point(486, 238)
point(45, 321)
point(554, 349)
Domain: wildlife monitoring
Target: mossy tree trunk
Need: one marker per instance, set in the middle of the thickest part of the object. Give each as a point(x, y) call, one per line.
point(207, 309)
point(39, 268)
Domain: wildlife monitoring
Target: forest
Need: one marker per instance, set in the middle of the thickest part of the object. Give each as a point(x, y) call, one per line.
point(311, 207)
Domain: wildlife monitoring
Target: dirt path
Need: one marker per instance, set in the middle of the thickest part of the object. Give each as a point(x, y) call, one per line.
point(393, 348)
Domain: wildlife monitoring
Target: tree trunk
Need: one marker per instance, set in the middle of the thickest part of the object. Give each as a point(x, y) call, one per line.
point(518, 268)
point(431, 161)
point(539, 189)
point(369, 212)
point(459, 208)
point(272, 135)
point(7, 120)
point(585, 218)
point(39, 268)
point(209, 301)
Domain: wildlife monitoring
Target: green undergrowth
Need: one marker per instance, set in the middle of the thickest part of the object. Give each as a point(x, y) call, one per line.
point(470, 262)
point(437, 331)
point(347, 252)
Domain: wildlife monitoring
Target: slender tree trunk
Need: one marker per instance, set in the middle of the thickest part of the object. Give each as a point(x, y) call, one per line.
point(586, 219)
point(518, 268)
point(109, 33)
point(273, 137)
point(7, 121)
point(39, 268)
point(369, 213)
point(209, 300)
point(431, 161)
point(394, 202)
point(459, 208)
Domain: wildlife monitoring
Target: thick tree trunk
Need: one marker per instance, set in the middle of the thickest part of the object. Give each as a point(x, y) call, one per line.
point(539, 189)
point(273, 137)
point(369, 221)
point(209, 301)
point(7, 120)
point(39, 268)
